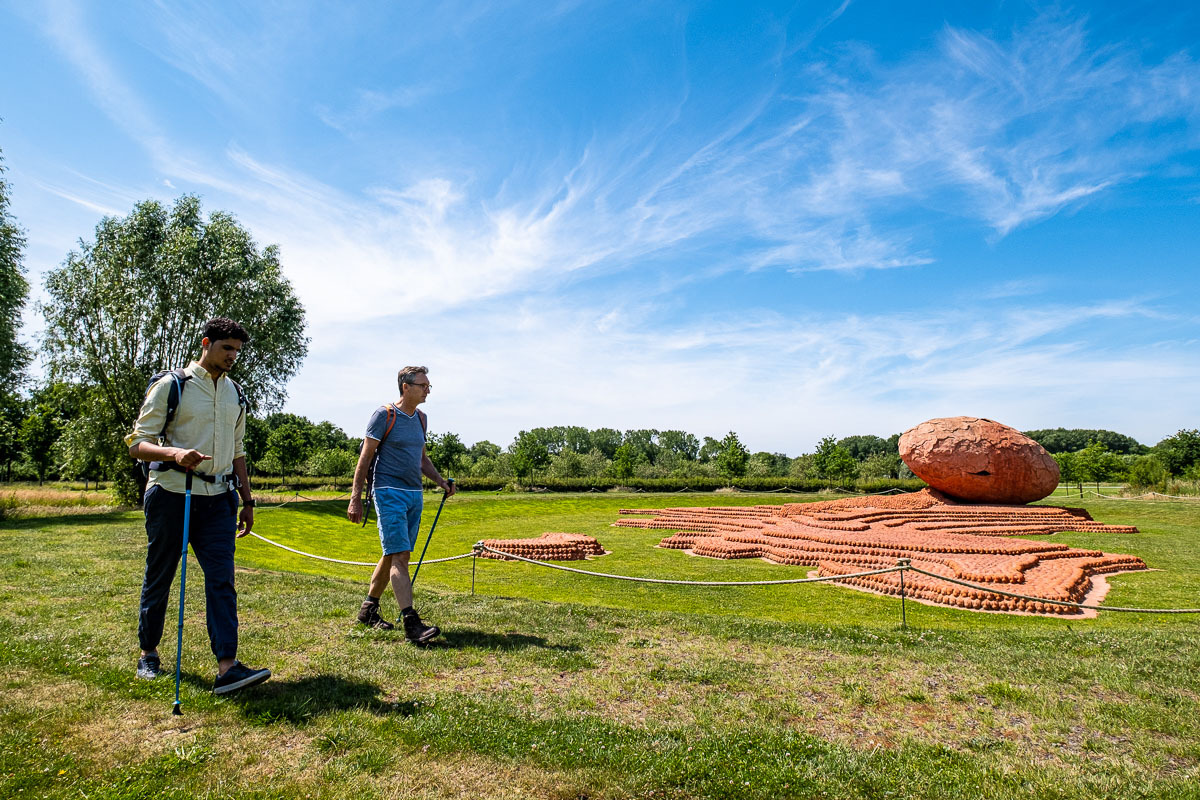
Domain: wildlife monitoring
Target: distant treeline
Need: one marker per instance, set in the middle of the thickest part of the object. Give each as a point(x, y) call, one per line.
point(36, 443)
point(1099, 456)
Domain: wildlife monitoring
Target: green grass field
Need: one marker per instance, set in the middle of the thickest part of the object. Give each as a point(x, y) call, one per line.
point(547, 684)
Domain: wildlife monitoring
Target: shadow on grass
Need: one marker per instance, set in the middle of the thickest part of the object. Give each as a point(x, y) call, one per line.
point(460, 638)
point(301, 701)
point(86, 519)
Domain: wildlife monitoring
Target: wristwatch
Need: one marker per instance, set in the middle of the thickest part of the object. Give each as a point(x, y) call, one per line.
point(248, 503)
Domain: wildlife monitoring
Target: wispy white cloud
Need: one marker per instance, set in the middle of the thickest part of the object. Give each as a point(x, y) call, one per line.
point(803, 172)
point(369, 104)
point(64, 24)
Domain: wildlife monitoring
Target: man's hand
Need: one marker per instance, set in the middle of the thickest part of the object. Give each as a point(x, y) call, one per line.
point(189, 459)
point(245, 521)
point(449, 488)
point(355, 511)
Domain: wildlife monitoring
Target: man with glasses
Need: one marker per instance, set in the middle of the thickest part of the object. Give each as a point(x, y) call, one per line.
point(394, 452)
point(202, 436)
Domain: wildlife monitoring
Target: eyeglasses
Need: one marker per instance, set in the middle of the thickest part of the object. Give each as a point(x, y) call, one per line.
point(425, 386)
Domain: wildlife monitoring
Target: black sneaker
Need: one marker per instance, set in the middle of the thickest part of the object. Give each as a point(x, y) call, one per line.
point(369, 615)
point(149, 667)
point(239, 676)
point(416, 631)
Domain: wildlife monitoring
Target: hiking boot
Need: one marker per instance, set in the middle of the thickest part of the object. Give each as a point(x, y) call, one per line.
point(239, 676)
point(416, 631)
point(368, 615)
point(149, 667)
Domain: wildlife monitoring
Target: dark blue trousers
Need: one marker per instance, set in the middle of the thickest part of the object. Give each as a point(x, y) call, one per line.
point(211, 535)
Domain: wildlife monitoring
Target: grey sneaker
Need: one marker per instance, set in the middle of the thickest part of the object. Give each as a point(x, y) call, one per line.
point(417, 631)
point(149, 667)
point(239, 676)
point(368, 615)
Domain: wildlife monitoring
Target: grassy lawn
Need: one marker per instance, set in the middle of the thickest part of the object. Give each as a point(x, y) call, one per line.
point(548, 684)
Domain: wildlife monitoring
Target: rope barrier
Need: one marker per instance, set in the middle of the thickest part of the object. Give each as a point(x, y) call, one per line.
point(902, 566)
point(1144, 497)
point(481, 547)
point(1055, 602)
point(351, 563)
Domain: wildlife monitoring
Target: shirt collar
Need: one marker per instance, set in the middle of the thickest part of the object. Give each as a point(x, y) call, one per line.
point(198, 371)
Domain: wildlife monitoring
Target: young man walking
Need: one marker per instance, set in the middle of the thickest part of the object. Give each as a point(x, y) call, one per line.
point(396, 436)
point(203, 437)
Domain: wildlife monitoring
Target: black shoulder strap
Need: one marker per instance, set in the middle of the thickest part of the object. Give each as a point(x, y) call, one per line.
point(424, 421)
point(241, 393)
point(179, 379)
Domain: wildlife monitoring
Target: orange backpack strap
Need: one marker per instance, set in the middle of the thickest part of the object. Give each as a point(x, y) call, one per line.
point(391, 417)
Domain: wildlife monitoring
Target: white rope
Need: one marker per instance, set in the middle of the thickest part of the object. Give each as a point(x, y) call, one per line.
point(482, 546)
point(1057, 602)
point(351, 563)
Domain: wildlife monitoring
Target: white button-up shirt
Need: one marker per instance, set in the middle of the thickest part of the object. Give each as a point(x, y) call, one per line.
point(209, 419)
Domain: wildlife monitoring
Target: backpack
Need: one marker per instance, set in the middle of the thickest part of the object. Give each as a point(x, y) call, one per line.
point(179, 377)
point(391, 420)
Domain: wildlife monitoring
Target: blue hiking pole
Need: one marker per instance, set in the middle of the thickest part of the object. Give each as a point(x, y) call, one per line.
point(429, 537)
point(187, 513)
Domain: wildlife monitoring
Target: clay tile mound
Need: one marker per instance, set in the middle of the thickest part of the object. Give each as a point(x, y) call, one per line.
point(979, 460)
point(548, 547)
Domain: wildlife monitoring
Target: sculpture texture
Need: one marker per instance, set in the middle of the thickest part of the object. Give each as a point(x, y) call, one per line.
point(979, 460)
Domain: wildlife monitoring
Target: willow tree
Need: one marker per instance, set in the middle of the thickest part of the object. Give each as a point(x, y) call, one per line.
point(134, 302)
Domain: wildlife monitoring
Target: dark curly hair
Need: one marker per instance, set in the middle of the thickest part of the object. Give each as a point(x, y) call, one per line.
point(225, 328)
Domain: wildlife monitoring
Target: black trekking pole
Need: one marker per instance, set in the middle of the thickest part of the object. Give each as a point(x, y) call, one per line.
point(429, 537)
point(187, 514)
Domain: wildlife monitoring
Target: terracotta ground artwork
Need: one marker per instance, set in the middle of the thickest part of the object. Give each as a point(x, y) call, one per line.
point(979, 471)
point(967, 542)
point(547, 547)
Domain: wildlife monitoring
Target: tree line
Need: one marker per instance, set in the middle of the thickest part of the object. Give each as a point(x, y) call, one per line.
point(1107, 457)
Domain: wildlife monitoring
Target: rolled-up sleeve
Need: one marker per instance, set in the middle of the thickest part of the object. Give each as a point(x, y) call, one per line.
point(153, 415)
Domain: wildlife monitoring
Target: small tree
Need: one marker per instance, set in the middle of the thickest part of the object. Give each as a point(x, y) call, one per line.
point(733, 458)
point(1068, 470)
point(624, 462)
point(834, 462)
point(39, 431)
point(528, 455)
point(288, 447)
point(447, 452)
point(1096, 463)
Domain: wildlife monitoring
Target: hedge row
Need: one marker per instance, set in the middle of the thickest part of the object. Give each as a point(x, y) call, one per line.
point(758, 484)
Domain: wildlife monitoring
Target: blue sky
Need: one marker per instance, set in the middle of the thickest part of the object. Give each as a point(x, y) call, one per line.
point(788, 220)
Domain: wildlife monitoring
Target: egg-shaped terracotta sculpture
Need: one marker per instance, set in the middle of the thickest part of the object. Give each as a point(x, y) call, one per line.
point(979, 460)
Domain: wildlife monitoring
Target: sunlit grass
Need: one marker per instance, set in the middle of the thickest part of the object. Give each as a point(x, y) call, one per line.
point(551, 685)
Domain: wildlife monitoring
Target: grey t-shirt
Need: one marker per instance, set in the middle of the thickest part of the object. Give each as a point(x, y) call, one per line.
point(399, 464)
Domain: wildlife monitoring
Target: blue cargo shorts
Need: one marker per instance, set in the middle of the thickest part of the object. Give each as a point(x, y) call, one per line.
point(399, 514)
